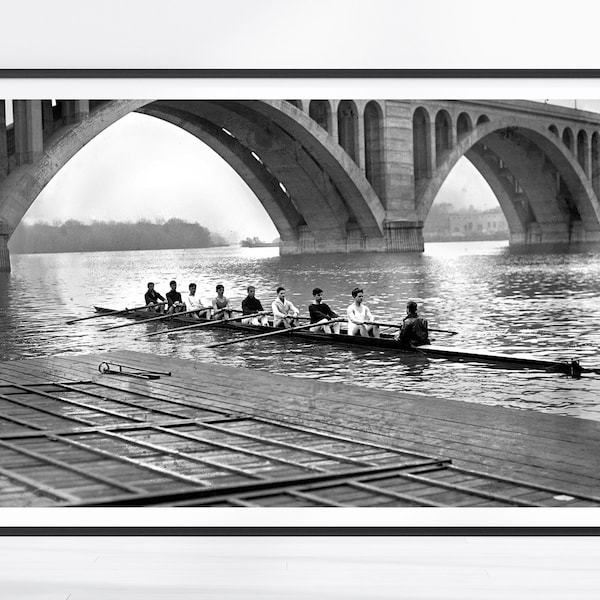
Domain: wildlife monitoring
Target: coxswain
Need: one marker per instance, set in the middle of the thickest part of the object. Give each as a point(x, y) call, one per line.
point(321, 313)
point(220, 304)
point(360, 318)
point(175, 303)
point(252, 305)
point(153, 300)
point(192, 302)
point(284, 312)
point(414, 330)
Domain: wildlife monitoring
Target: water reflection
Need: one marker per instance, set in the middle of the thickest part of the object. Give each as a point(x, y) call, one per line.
point(499, 300)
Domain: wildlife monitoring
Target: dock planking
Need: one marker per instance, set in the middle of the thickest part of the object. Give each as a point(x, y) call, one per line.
point(543, 450)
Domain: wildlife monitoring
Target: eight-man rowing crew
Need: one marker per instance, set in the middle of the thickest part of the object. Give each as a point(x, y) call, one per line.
point(361, 321)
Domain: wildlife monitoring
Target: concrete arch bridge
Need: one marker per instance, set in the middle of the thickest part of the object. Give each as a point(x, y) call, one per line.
point(344, 175)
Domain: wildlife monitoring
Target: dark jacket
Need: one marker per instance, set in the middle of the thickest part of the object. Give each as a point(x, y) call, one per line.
point(318, 312)
point(251, 305)
point(173, 296)
point(152, 297)
point(415, 330)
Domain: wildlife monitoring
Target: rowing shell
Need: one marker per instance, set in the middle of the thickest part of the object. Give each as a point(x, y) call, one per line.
point(388, 342)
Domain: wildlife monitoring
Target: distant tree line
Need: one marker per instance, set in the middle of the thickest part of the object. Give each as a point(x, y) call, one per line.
point(74, 236)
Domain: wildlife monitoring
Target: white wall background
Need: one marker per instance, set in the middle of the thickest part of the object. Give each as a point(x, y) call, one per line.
point(308, 34)
point(299, 568)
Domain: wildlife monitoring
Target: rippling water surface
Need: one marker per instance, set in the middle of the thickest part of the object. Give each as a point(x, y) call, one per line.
point(543, 304)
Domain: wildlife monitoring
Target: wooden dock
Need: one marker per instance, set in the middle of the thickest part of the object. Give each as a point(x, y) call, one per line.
point(209, 434)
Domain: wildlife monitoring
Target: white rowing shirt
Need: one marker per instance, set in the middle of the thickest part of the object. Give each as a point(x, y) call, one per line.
point(193, 302)
point(284, 309)
point(359, 314)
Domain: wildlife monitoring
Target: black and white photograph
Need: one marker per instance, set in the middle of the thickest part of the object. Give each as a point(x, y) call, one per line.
point(300, 302)
point(308, 270)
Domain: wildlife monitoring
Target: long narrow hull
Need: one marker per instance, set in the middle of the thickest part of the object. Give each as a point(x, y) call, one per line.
point(385, 342)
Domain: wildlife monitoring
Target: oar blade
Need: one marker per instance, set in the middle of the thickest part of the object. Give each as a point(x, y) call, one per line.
point(444, 331)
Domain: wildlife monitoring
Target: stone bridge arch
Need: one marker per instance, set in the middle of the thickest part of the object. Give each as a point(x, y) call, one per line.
point(24, 182)
point(317, 197)
point(315, 193)
point(345, 175)
point(541, 185)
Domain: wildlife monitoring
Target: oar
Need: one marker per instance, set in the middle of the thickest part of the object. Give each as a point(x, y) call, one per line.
point(112, 312)
point(204, 324)
point(162, 317)
point(262, 335)
point(400, 325)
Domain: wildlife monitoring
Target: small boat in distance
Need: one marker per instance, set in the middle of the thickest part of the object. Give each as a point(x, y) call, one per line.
point(386, 341)
point(255, 242)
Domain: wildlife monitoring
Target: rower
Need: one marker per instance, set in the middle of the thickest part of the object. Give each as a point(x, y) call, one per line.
point(252, 305)
point(320, 313)
point(220, 304)
point(415, 330)
point(176, 304)
point(192, 302)
point(152, 298)
point(360, 318)
point(284, 312)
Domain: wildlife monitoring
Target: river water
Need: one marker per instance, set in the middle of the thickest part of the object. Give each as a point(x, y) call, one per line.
point(545, 304)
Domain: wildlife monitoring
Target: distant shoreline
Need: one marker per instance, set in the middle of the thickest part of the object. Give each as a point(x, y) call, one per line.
point(466, 238)
point(261, 245)
point(105, 236)
point(14, 252)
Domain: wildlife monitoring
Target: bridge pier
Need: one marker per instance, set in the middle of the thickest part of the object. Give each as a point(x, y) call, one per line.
point(399, 236)
point(404, 236)
point(4, 253)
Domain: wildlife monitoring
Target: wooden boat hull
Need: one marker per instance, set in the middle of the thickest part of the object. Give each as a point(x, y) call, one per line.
point(386, 342)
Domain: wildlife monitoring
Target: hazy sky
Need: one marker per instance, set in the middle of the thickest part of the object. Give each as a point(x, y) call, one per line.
point(142, 167)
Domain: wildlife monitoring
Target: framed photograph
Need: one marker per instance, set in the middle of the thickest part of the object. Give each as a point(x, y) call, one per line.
point(461, 212)
point(433, 153)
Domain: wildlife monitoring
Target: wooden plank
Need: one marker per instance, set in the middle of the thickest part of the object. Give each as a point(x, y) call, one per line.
point(555, 450)
point(487, 444)
point(464, 412)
